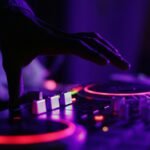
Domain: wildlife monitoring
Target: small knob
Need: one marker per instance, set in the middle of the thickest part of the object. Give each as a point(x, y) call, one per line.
point(39, 106)
point(53, 102)
point(66, 98)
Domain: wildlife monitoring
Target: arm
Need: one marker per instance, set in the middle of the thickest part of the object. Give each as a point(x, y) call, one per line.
point(25, 37)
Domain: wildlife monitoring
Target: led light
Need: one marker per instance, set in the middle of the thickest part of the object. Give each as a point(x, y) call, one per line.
point(74, 100)
point(99, 118)
point(54, 102)
point(95, 112)
point(76, 90)
point(90, 91)
point(85, 116)
point(50, 85)
point(107, 107)
point(105, 129)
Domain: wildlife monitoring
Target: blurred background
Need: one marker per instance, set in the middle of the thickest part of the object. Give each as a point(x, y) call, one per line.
point(125, 23)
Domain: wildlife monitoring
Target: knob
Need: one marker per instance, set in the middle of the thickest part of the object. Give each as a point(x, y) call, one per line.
point(39, 106)
point(53, 102)
point(66, 98)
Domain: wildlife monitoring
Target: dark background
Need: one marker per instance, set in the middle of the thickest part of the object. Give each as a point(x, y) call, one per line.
point(126, 24)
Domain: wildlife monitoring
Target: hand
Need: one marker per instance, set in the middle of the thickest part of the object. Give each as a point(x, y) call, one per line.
point(24, 36)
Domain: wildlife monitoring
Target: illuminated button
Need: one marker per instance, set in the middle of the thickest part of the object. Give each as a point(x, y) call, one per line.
point(66, 98)
point(106, 107)
point(105, 129)
point(95, 112)
point(85, 116)
point(53, 102)
point(39, 106)
point(99, 118)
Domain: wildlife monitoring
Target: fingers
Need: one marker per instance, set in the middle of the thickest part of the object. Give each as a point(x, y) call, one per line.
point(100, 38)
point(115, 59)
point(85, 51)
point(104, 48)
point(59, 45)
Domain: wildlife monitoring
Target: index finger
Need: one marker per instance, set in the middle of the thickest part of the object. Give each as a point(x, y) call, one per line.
point(115, 59)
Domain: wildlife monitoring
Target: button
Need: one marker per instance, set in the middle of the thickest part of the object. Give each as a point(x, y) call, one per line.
point(53, 102)
point(95, 112)
point(106, 107)
point(105, 129)
point(39, 106)
point(99, 118)
point(84, 116)
point(66, 98)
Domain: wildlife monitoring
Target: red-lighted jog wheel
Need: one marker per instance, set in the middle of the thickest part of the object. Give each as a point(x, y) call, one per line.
point(114, 90)
point(34, 131)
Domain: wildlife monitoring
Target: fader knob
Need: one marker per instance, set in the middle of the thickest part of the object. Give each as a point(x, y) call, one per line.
point(66, 98)
point(39, 106)
point(53, 102)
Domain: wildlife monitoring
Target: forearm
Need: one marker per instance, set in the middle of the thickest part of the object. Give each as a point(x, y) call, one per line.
point(14, 78)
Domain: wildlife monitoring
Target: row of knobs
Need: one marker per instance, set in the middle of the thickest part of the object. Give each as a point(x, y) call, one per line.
point(44, 105)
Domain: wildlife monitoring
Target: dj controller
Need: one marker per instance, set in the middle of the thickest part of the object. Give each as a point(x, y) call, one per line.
point(103, 116)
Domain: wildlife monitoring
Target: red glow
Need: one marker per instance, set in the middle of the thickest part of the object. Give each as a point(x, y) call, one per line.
point(76, 90)
point(39, 138)
point(88, 90)
point(99, 118)
point(50, 85)
point(74, 100)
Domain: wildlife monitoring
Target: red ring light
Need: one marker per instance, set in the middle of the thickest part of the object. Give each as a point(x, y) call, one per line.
point(88, 90)
point(40, 138)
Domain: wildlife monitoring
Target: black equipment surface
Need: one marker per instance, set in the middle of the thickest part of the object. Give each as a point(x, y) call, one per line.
point(116, 117)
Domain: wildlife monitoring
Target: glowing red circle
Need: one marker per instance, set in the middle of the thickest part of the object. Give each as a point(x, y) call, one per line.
point(88, 90)
point(39, 138)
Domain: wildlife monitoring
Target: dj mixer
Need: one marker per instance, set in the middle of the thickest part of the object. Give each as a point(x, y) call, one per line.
point(107, 116)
